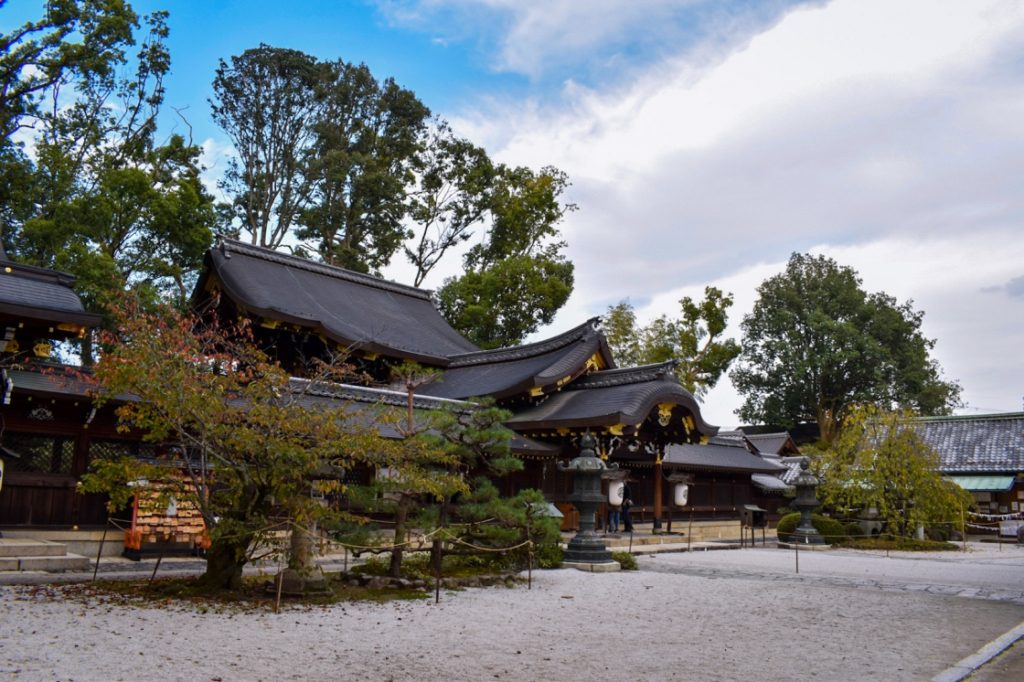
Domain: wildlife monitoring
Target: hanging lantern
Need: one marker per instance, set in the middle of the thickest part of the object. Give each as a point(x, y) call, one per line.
point(616, 493)
point(682, 494)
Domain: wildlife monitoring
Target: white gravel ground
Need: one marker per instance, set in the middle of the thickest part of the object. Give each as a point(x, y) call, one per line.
point(727, 615)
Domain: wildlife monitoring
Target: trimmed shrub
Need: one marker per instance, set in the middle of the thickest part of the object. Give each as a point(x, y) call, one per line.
point(830, 529)
point(548, 556)
point(854, 530)
point(627, 560)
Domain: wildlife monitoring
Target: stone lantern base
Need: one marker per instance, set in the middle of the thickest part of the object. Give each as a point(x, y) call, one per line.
point(590, 567)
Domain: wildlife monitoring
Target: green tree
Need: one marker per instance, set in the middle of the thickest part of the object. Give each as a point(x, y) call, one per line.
point(456, 180)
point(101, 199)
point(366, 138)
point(879, 460)
point(816, 343)
point(265, 102)
point(693, 340)
point(518, 277)
point(74, 40)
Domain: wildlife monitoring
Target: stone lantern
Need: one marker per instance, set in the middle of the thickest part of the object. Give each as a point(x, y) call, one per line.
point(586, 550)
point(806, 483)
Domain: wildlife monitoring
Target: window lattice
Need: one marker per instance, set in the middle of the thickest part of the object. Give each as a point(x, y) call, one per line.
point(41, 454)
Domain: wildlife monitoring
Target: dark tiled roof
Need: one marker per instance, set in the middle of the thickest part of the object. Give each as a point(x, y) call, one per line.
point(510, 371)
point(724, 457)
point(772, 443)
point(769, 483)
point(357, 399)
point(617, 396)
point(350, 308)
point(52, 380)
point(41, 294)
point(976, 444)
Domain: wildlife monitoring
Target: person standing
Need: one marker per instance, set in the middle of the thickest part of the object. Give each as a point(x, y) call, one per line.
point(627, 503)
point(613, 518)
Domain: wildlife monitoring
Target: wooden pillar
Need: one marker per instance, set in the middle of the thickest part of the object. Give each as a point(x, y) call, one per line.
point(657, 490)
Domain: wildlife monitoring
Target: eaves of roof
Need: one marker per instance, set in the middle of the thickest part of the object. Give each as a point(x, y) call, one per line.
point(536, 367)
point(612, 397)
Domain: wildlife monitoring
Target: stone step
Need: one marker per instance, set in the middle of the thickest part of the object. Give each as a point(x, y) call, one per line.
point(24, 547)
point(50, 564)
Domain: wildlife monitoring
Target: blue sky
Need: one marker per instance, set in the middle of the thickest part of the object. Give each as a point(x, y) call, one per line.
point(707, 140)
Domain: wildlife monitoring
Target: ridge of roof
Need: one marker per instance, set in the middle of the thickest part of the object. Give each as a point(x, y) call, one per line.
point(507, 354)
point(365, 394)
point(624, 376)
point(994, 416)
point(228, 246)
point(39, 273)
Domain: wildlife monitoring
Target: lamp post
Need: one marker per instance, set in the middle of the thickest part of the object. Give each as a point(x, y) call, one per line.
point(805, 503)
point(587, 550)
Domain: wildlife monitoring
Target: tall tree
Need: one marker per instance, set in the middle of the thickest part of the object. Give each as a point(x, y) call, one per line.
point(265, 102)
point(111, 205)
point(366, 137)
point(456, 180)
point(517, 278)
point(75, 39)
point(102, 198)
point(73, 42)
point(879, 460)
point(694, 340)
point(816, 343)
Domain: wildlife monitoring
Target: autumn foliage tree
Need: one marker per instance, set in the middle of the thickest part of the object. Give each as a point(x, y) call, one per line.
point(252, 441)
point(880, 461)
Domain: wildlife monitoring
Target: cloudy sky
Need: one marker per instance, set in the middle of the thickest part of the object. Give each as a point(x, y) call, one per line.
point(708, 139)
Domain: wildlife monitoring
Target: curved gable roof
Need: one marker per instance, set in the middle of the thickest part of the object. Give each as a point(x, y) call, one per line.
point(617, 396)
point(505, 372)
point(350, 308)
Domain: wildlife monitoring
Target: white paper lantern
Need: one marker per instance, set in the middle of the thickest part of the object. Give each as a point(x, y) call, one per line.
point(616, 492)
point(682, 494)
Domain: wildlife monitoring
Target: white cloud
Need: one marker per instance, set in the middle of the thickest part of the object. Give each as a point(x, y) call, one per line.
point(536, 37)
point(214, 158)
point(893, 132)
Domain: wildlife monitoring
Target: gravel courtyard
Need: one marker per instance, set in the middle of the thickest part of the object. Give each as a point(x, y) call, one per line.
point(721, 615)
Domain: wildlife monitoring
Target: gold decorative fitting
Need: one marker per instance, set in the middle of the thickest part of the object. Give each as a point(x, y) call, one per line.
point(665, 413)
point(536, 391)
point(371, 356)
point(703, 440)
point(563, 431)
point(267, 323)
point(564, 380)
point(688, 422)
point(12, 346)
point(616, 429)
point(42, 350)
point(69, 327)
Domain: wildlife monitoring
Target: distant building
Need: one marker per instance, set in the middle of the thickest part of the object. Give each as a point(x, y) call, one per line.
point(984, 455)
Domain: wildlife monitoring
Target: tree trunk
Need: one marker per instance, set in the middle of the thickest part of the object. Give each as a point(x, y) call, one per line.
point(401, 514)
point(300, 551)
point(224, 562)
